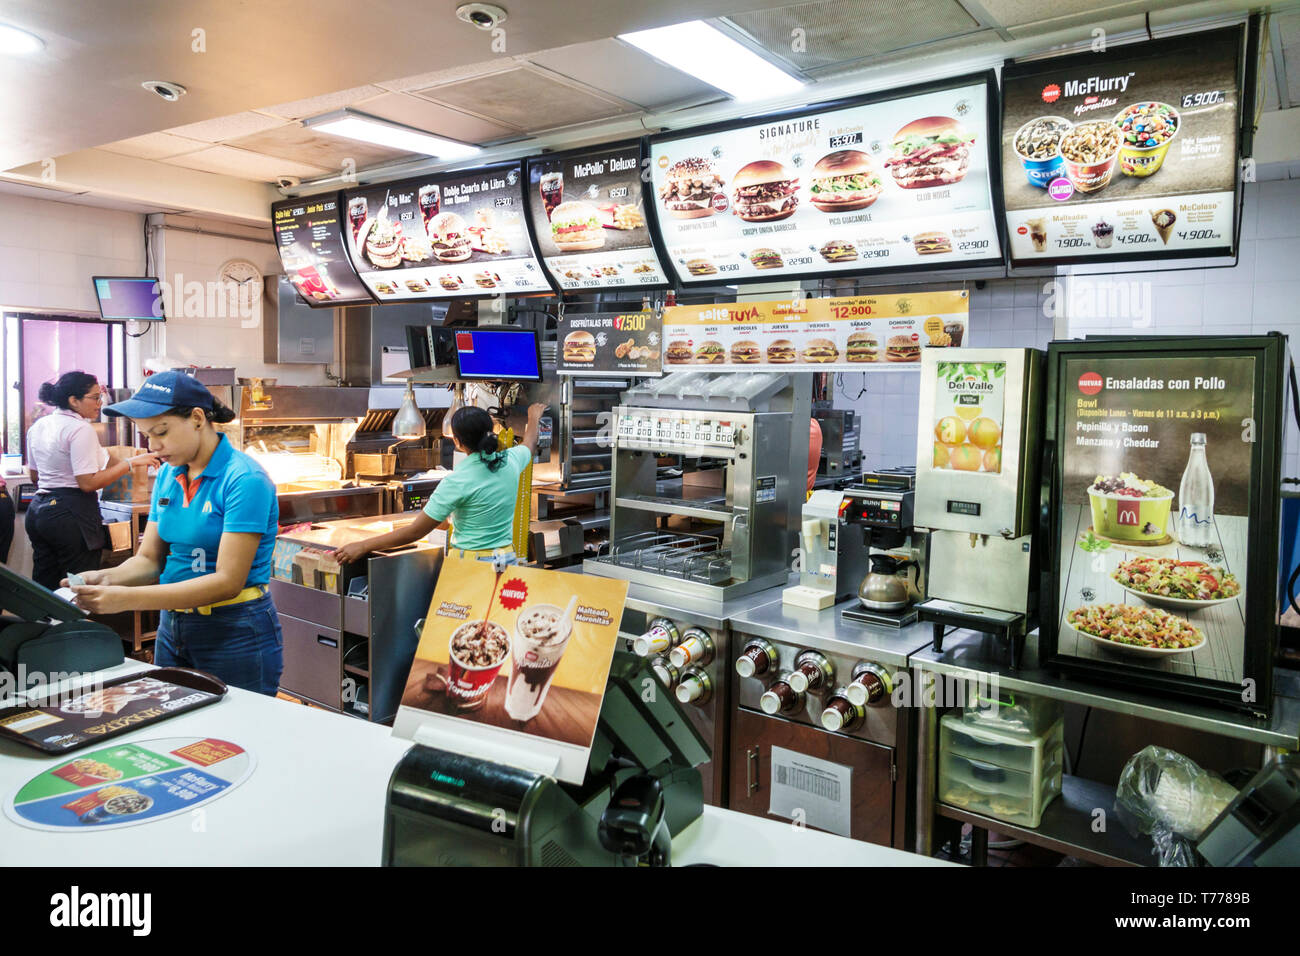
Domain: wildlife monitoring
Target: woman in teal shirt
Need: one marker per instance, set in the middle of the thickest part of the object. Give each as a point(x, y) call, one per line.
point(477, 499)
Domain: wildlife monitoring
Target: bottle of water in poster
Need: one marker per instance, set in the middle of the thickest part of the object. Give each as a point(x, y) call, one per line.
point(1196, 499)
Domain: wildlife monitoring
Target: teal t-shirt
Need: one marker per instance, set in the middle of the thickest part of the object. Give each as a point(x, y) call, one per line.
point(479, 501)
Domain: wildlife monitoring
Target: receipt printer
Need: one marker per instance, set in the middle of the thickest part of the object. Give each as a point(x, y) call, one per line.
point(42, 635)
point(641, 788)
point(1261, 827)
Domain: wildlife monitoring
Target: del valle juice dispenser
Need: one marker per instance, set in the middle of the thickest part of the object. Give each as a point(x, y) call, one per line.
point(977, 491)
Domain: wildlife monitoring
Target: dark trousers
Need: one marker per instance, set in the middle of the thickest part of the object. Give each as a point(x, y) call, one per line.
point(67, 534)
point(6, 524)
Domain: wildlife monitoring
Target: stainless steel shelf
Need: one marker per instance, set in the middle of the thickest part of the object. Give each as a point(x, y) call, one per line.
point(705, 508)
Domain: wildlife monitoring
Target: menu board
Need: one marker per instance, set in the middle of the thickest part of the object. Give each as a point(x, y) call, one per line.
point(1127, 154)
point(850, 334)
point(309, 236)
point(589, 219)
point(622, 344)
point(893, 182)
point(446, 235)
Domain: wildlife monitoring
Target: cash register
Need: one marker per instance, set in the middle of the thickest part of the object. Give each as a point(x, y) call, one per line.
point(642, 788)
point(42, 634)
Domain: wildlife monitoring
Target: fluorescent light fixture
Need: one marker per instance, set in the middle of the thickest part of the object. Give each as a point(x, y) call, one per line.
point(709, 55)
point(19, 42)
point(371, 129)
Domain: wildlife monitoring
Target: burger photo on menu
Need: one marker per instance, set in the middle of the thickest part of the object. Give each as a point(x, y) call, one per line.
point(902, 348)
point(820, 350)
point(746, 352)
point(766, 259)
point(575, 225)
point(710, 353)
point(450, 238)
point(690, 187)
point(701, 267)
point(931, 243)
point(844, 180)
point(862, 347)
point(450, 283)
point(679, 352)
point(781, 352)
point(932, 151)
point(762, 191)
point(381, 242)
point(579, 346)
point(839, 250)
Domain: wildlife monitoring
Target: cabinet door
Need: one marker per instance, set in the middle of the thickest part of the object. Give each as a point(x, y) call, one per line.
point(871, 787)
point(313, 662)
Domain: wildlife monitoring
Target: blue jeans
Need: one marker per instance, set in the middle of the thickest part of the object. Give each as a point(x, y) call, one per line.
point(239, 643)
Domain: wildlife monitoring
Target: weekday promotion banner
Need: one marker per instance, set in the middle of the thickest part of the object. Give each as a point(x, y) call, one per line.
point(849, 334)
point(628, 343)
point(517, 658)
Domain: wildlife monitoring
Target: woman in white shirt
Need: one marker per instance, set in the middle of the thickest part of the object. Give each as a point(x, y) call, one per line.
point(69, 467)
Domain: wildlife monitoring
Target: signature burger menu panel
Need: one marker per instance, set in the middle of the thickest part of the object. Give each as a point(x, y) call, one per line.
point(444, 235)
point(1131, 153)
point(309, 237)
point(887, 183)
point(589, 219)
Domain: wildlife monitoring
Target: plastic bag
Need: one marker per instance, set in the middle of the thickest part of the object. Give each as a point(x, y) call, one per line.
point(1164, 794)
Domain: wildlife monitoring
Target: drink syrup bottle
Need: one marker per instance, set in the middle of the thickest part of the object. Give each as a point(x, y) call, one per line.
point(1196, 499)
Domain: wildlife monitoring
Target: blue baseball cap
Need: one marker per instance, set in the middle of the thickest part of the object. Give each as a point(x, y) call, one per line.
point(160, 393)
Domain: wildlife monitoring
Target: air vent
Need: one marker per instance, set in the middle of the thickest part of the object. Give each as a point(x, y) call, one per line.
point(525, 98)
point(555, 855)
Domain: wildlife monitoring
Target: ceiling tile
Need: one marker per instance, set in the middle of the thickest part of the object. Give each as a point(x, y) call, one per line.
point(524, 97)
point(436, 119)
point(228, 161)
point(421, 81)
point(315, 148)
point(154, 146)
point(624, 71)
point(227, 127)
point(325, 103)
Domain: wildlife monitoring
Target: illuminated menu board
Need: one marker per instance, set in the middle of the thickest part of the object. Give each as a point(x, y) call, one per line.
point(446, 235)
point(1122, 155)
point(892, 182)
point(589, 219)
point(309, 236)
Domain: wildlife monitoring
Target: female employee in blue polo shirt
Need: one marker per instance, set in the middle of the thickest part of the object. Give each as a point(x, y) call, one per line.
point(206, 555)
point(477, 499)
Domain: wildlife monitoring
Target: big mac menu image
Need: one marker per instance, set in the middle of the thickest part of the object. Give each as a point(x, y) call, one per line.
point(589, 219)
point(444, 235)
point(901, 181)
point(1122, 154)
point(309, 236)
point(515, 655)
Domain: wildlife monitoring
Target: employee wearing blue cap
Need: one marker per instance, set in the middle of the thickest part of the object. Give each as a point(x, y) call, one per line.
point(205, 560)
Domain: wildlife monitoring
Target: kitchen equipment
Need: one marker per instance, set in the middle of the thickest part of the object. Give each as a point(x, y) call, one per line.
point(840, 435)
point(728, 524)
point(833, 556)
point(1261, 826)
point(977, 490)
point(882, 589)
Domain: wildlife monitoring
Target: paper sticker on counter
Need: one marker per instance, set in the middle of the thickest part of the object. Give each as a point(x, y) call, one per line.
point(765, 489)
point(815, 792)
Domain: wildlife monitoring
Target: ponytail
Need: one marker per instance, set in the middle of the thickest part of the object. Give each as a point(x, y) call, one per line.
point(472, 427)
point(69, 386)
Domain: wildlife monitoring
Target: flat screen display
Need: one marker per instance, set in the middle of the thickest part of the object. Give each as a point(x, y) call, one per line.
point(309, 236)
point(444, 236)
point(589, 219)
point(1123, 155)
point(892, 182)
point(506, 354)
point(130, 298)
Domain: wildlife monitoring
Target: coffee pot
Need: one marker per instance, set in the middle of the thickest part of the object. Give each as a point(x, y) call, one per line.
point(883, 589)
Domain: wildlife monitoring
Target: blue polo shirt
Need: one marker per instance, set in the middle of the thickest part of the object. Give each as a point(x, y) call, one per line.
point(232, 494)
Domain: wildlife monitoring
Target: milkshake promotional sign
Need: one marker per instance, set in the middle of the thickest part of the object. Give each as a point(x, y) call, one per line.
point(515, 655)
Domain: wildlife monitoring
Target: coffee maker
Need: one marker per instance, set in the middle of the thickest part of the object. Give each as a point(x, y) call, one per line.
point(977, 461)
point(896, 553)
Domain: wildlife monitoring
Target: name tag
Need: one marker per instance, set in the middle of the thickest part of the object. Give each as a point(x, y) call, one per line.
point(164, 502)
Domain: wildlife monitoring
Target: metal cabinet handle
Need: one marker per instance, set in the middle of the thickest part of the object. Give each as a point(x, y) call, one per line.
point(751, 770)
point(327, 641)
point(419, 628)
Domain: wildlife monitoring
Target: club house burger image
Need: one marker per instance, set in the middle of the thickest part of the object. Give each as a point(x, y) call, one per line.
point(579, 347)
point(679, 352)
point(932, 151)
point(576, 226)
point(689, 186)
point(843, 181)
point(931, 243)
point(746, 352)
point(710, 353)
point(447, 232)
point(862, 347)
point(839, 250)
point(781, 352)
point(820, 350)
point(762, 192)
point(901, 348)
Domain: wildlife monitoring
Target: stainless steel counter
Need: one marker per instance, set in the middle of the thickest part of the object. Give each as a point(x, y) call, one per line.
point(828, 631)
point(651, 601)
point(335, 534)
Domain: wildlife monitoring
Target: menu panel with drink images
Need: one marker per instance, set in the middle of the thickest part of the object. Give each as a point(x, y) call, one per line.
point(589, 219)
point(518, 656)
point(309, 237)
point(1156, 462)
point(1122, 154)
point(899, 182)
point(446, 235)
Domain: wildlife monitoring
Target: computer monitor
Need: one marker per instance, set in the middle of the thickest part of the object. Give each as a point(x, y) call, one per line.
point(129, 298)
point(500, 354)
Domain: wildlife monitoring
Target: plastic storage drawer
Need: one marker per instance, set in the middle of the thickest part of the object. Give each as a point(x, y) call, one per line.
point(1011, 712)
point(1003, 776)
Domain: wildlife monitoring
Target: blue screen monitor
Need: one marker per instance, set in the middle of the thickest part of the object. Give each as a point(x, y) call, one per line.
point(501, 354)
point(129, 298)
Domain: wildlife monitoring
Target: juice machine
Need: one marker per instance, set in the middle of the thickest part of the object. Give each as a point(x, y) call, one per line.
point(977, 461)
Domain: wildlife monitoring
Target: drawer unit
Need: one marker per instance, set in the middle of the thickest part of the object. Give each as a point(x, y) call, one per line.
point(1010, 712)
point(1006, 776)
point(313, 661)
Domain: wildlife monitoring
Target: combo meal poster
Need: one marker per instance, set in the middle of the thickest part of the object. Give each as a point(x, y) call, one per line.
point(850, 334)
point(517, 657)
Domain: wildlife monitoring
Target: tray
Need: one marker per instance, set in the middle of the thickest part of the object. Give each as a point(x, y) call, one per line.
point(58, 723)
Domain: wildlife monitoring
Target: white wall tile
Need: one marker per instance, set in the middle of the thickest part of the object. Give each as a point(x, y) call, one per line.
point(1227, 305)
point(1279, 209)
point(18, 265)
point(1277, 259)
point(1274, 303)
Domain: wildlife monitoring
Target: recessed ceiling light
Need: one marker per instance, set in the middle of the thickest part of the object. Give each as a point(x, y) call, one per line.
point(370, 129)
point(19, 42)
point(709, 55)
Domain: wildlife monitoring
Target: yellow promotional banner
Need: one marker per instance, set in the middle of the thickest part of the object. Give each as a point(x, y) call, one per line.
point(852, 334)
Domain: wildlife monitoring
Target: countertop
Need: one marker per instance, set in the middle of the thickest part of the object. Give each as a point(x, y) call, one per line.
point(337, 533)
point(651, 600)
point(827, 630)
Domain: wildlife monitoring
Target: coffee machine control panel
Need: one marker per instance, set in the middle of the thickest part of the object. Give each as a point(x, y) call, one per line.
point(889, 511)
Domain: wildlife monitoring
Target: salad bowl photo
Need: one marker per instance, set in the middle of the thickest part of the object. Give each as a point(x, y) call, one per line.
point(1180, 585)
point(1129, 508)
point(1135, 630)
